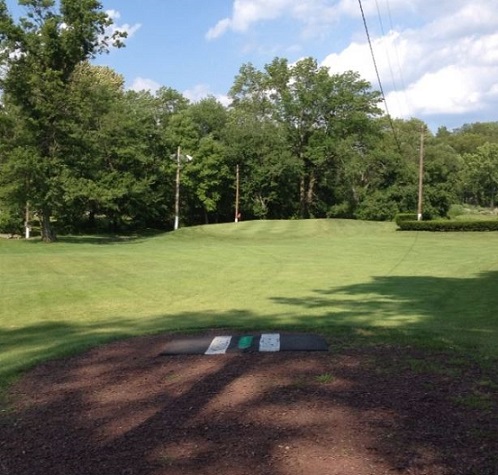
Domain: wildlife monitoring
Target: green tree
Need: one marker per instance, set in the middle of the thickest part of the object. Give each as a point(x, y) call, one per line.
point(94, 92)
point(14, 162)
point(442, 177)
point(481, 174)
point(39, 54)
point(467, 138)
point(379, 179)
point(268, 171)
point(325, 118)
point(210, 173)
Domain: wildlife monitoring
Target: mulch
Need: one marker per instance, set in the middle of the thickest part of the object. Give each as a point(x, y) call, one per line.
point(121, 409)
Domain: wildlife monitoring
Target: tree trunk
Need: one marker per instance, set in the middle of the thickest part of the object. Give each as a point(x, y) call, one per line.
point(47, 231)
point(303, 210)
point(91, 219)
point(306, 193)
point(310, 192)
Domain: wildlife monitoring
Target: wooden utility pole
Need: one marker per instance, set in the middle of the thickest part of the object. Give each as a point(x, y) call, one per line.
point(237, 192)
point(421, 175)
point(177, 192)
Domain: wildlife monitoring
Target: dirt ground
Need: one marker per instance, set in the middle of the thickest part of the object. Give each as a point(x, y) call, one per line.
point(123, 410)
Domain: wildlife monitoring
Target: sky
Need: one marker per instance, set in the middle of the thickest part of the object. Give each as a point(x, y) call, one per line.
point(437, 59)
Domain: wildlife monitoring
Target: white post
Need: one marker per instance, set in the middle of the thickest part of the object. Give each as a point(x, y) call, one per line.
point(237, 193)
point(26, 222)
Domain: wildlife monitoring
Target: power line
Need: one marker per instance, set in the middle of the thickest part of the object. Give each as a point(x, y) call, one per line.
point(395, 45)
point(378, 77)
point(387, 49)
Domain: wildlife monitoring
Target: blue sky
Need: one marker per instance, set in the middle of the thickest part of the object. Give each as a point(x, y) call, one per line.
point(438, 60)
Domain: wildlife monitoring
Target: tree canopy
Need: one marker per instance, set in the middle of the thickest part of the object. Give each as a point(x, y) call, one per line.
point(86, 154)
point(40, 53)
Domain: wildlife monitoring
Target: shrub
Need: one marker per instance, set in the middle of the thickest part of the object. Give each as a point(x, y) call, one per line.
point(10, 221)
point(377, 207)
point(342, 210)
point(405, 217)
point(446, 226)
point(456, 210)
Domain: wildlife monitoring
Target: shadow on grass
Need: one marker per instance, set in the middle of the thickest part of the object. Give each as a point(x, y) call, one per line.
point(102, 239)
point(27, 346)
point(399, 408)
point(456, 310)
point(440, 312)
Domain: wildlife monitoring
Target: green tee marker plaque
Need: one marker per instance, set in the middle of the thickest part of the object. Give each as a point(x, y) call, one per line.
point(245, 342)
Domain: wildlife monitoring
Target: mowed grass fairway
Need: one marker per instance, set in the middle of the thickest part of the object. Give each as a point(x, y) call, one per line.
point(328, 276)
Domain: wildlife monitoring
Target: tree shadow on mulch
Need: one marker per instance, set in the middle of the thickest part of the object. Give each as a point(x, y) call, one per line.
point(377, 409)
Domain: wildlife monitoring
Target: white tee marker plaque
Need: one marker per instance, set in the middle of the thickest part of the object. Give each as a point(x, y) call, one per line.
point(219, 345)
point(269, 342)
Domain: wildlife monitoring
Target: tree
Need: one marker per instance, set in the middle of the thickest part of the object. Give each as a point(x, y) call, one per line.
point(39, 54)
point(210, 175)
point(268, 171)
point(93, 93)
point(324, 116)
point(378, 180)
point(14, 162)
point(481, 174)
point(393, 175)
point(467, 138)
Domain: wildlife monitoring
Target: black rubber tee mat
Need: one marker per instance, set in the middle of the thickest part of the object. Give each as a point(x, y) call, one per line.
point(256, 342)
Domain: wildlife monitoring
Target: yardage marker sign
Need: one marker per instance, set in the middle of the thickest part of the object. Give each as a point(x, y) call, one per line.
point(263, 342)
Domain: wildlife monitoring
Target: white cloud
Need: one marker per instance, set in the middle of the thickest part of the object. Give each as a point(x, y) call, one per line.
point(144, 84)
point(247, 13)
point(313, 15)
point(450, 90)
point(476, 17)
point(201, 91)
point(130, 30)
point(113, 14)
point(221, 27)
point(438, 57)
point(449, 66)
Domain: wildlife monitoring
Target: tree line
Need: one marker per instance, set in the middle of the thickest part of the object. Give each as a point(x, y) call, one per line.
point(84, 154)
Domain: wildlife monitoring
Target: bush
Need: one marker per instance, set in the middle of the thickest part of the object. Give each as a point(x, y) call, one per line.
point(405, 217)
point(447, 226)
point(11, 222)
point(377, 207)
point(342, 210)
point(456, 210)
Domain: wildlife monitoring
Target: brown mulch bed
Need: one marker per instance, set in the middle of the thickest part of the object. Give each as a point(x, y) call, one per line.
point(123, 410)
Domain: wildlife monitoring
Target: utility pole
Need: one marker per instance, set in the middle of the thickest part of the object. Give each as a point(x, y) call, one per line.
point(237, 193)
point(177, 192)
point(421, 175)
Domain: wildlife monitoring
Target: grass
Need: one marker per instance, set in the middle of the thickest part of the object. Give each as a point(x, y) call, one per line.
point(324, 378)
point(478, 401)
point(330, 276)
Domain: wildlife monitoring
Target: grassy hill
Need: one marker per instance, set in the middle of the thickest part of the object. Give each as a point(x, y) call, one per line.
point(325, 275)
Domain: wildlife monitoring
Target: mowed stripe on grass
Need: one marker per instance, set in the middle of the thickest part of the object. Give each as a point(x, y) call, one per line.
point(269, 275)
